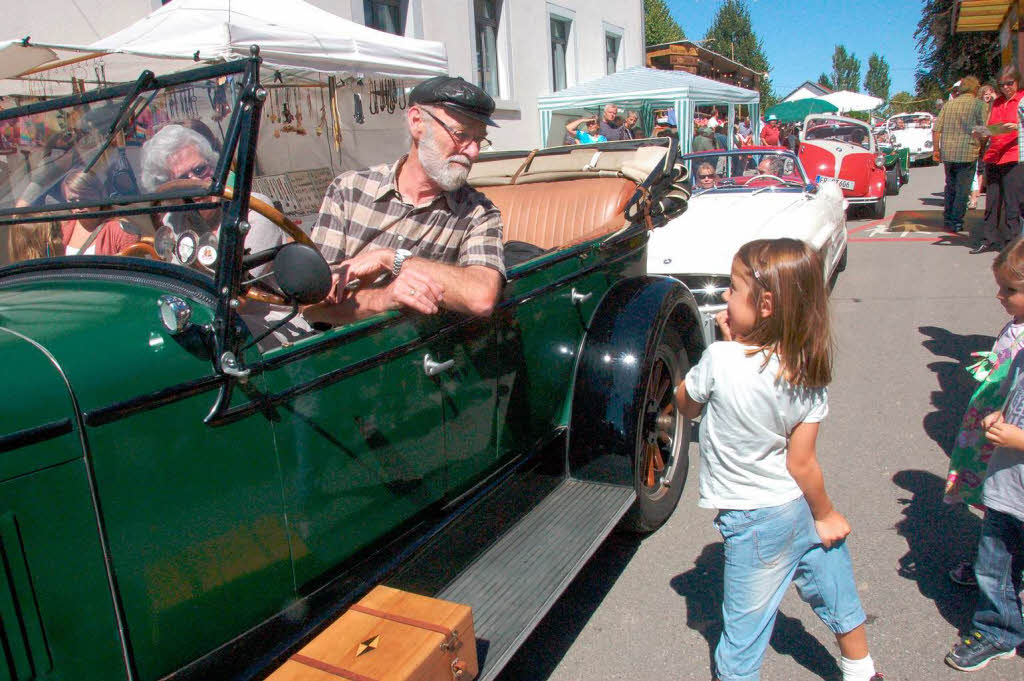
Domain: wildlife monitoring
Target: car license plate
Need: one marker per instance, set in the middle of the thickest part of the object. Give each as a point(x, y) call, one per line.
point(845, 184)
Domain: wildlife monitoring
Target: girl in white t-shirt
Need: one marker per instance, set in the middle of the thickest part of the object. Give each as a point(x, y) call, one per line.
point(763, 393)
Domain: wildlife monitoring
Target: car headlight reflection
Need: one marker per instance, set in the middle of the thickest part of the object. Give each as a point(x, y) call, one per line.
point(708, 290)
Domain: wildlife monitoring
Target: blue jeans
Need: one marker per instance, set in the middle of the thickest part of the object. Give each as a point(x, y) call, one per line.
point(765, 550)
point(957, 190)
point(998, 569)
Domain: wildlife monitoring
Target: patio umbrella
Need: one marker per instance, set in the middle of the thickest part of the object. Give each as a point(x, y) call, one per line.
point(796, 111)
point(852, 101)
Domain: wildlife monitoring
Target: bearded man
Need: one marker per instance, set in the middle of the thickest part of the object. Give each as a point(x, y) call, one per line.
point(412, 233)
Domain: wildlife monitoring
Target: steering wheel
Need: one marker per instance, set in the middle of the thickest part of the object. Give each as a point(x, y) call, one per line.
point(282, 221)
point(767, 176)
point(141, 249)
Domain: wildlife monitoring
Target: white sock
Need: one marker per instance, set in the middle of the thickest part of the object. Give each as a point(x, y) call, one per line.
point(857, 670)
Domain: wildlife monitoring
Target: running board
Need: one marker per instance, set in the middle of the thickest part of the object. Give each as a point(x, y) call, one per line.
point(515, 580)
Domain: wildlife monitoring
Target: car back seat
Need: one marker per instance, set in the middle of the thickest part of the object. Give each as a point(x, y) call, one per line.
point(563, 212)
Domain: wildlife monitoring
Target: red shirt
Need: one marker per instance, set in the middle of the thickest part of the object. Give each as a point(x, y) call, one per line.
point(770, 135)
point(1003, 148)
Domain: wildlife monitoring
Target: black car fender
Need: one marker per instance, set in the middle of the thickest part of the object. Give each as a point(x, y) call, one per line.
point(614, 364)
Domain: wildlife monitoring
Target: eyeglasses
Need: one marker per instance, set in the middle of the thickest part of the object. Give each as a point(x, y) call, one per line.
point(461, 138)
point(200, 171)
point(706, 177)
point(1007, 82)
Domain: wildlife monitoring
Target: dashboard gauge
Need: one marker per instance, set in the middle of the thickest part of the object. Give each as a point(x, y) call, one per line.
point(185, 249)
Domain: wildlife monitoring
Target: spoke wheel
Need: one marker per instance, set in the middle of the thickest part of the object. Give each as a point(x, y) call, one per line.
point(663, 440)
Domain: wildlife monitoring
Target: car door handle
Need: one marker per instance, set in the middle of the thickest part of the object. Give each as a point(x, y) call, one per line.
point(578, 297)
point(432, 368)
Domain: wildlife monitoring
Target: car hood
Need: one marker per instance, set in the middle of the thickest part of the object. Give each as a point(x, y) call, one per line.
point(704, 239)
point(104, 336)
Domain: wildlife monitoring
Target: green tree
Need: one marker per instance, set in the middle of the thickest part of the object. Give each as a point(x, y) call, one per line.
point(877, 82)
point(945, 57)
point(823, 79)
point(904, 102)
point(659, 26)
point(732, 34)
point(845, 70)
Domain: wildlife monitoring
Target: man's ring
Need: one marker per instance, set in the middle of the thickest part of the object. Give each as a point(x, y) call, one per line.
point(412, 291)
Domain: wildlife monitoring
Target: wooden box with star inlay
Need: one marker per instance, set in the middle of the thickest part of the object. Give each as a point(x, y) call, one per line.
point(390, 635)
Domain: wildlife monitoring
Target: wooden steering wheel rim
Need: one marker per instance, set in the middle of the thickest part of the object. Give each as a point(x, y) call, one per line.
point(283, 222)
point(140, 249)
point(275, 216)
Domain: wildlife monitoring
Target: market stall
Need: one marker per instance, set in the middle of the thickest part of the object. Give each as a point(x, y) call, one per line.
point(646, 90)
point(337, 89)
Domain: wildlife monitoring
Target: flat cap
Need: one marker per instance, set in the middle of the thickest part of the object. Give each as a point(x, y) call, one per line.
point(456, 94)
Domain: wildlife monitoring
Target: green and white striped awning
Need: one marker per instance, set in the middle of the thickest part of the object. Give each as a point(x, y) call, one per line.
point(646, 89)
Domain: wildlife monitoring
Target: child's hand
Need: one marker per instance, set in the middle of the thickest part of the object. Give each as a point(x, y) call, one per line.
point(722, 320)
point(990, 420)
point(832, 529)
point(1003, 434)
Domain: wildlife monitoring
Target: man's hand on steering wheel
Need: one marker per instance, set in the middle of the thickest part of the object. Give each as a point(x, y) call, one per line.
point(365, 267)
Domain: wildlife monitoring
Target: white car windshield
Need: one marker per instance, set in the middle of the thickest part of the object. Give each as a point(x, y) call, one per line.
point(740, 170)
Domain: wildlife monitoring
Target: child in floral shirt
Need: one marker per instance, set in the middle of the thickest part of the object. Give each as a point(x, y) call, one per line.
point(971, 451)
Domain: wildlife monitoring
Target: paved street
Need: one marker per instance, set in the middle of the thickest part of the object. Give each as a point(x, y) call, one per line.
point(908, 310)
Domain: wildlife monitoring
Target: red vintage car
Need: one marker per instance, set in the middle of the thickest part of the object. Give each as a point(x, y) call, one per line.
point(843, 150)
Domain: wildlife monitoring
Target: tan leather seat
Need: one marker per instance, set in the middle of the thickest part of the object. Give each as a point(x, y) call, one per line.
point(550, 214)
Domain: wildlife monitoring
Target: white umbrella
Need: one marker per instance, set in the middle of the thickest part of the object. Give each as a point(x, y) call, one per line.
point(844, 100)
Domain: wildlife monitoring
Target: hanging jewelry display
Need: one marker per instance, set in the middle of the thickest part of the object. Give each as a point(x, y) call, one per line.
point(321, 122)
point(373, 107)
point(286, 113)
point(332, 91)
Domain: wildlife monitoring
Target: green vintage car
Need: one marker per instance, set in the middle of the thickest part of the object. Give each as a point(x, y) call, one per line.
point(193, 481)
point(897, 164)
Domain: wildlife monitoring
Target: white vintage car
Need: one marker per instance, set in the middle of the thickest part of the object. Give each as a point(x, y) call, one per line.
point(912, 131)
point(739, 196)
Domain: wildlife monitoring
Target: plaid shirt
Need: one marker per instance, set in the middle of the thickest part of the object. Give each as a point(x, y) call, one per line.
point(363, 210)
point(1020, 131)
point(956, 120)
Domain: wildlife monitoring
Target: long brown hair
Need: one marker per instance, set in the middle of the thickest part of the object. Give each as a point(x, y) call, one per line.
point(798, 331)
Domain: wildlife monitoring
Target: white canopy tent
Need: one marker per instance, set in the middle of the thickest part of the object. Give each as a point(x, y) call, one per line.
point(294, 37)
point(646, 89)
point(845, 101)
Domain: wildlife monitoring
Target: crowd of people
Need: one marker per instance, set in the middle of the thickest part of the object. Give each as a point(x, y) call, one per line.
point(976, 138)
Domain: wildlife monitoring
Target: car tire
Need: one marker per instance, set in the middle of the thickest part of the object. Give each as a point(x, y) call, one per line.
point(658, 491)
point(892, 182)
point(841, 265)
point(878, 208)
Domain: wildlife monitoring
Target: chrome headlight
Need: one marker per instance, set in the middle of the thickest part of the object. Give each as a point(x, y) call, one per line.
point(706, 288)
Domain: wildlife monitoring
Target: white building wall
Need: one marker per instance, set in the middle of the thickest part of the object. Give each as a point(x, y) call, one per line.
point(524, 41)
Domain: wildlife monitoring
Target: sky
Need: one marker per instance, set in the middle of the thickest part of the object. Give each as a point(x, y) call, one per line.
point(799, 36)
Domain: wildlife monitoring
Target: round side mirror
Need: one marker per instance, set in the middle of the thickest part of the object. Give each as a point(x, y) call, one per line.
point(302, 273)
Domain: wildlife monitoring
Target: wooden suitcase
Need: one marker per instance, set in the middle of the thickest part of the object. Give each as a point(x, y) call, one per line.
point(390, 635)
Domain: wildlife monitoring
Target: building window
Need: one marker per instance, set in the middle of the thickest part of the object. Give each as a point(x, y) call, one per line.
point(611, 51)
point(559, 49)
point(384, 15)
point(487, 14)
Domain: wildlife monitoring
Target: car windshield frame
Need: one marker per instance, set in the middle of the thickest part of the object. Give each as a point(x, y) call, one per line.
point(141, 92)
point(755, 154)
point(836, 126)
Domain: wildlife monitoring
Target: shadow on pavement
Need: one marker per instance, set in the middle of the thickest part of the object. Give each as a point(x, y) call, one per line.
point(938, 537)
point(547, 645)
point(702, 588)
point(955, 385)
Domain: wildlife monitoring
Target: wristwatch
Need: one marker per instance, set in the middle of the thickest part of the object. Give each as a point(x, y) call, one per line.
point(400, 255)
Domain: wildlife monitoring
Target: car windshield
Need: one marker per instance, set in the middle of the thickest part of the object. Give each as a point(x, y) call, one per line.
point(839, 131)
point(744, 170)
point(910, 122)
point(67, 166)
